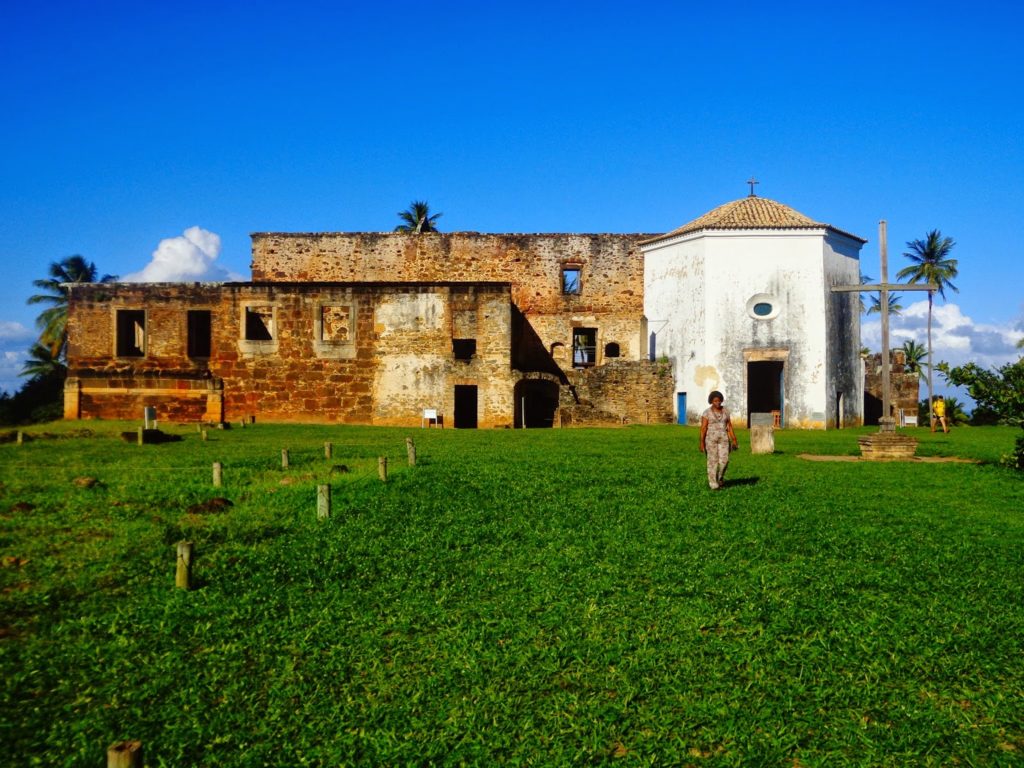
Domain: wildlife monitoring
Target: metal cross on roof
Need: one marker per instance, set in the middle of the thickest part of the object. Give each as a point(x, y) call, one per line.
point(752, 181)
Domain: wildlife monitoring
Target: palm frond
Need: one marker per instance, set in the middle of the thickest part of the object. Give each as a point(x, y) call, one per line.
point(42, 362)
point(895, 308)
point(417, 218)
point(53, 320)
point(930, 262)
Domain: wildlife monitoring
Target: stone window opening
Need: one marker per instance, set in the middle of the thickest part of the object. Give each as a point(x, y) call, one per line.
point(199, 333)
point(571, 279)
point(335, 323)
point(584, 347)
point(611, 349)
point(335, 328)
point(131, 332)
point(464, 349)
point(259, 323)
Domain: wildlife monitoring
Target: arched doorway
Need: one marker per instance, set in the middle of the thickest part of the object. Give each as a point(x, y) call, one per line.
point(536, 403)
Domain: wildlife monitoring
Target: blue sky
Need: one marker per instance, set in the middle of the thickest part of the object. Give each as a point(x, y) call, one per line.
point(127, 125)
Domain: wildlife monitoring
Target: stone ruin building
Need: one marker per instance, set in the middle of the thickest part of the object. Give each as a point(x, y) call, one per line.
point(489, 330)
point(486, 330)
point(904, 390)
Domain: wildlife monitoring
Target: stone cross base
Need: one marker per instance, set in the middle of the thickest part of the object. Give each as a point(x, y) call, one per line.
point(883, 446)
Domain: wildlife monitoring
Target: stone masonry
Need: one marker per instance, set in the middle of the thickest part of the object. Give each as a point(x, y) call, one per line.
point(630, 391)
point(358, 352)
point(611, 283)
point(374, 328)
point(904, 386)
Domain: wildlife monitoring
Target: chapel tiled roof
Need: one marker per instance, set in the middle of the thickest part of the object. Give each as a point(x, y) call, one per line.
point(750, 213)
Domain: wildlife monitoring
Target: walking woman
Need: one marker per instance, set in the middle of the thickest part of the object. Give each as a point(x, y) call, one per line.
point(716, 439)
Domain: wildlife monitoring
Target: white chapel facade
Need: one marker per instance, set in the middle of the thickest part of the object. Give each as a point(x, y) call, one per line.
point(740, 301)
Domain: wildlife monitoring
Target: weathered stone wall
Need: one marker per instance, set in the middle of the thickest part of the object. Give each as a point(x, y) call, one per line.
point(611, 272)
point(619, 392)
point(904, 387)
point(176, 400)
point(359, 353)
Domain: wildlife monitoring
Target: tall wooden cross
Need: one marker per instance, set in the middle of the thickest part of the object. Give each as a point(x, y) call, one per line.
point(887, 423)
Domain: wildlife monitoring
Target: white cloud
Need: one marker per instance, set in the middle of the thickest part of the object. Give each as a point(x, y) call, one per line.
point(956, 339)
point(15, 339)
point(11, 331)
point(11, 363)
point(187, 258)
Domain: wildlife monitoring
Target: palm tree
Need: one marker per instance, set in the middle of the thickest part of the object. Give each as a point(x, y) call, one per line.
point(915, 356)
point(864, 280)
point(895, 307)
point(418, 218)
point(930, 263)
point(42, 363)
point(955, 413)
point(54, 320)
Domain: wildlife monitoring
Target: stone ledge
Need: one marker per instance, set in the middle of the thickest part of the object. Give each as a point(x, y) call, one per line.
point(887, 445)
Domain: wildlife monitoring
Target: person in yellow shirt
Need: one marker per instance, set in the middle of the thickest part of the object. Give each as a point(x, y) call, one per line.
point(939, 413)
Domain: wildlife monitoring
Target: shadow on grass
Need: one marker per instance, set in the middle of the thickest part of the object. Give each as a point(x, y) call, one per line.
point(741, 481)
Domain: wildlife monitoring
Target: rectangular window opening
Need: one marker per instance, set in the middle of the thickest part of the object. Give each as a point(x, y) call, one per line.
point(199, 332)
point(464, 349)
point(259, 323)
point(584, 347)
point(571, 280)
point(131, 332)
point(335, 323)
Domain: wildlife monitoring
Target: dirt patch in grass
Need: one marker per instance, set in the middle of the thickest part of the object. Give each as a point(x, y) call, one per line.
point(217, 504)
point(911, 460)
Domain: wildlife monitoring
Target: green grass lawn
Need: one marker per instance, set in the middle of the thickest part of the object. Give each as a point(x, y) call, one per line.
point(565, 597)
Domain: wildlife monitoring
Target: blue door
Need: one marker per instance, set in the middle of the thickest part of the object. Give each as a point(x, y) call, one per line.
point(681, 407)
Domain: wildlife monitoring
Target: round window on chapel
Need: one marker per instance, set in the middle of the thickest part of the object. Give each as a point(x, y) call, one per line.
point(763, 306)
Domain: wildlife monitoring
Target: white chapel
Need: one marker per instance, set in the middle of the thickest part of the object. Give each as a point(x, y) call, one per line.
point(739, 300)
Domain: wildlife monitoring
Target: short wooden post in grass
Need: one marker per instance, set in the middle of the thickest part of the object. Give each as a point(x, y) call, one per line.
point(382, 468)
point(328, 450)
point(203, 432)
point(183, 574)
point(284, 458)
point(142, 433)
point(125, 754)
point(323, 502)
point(21, 437)
point(410, 448)
point(199, 427)
point(218, 474)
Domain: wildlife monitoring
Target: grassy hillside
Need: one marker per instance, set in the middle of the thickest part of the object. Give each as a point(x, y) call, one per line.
point(521, 597)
